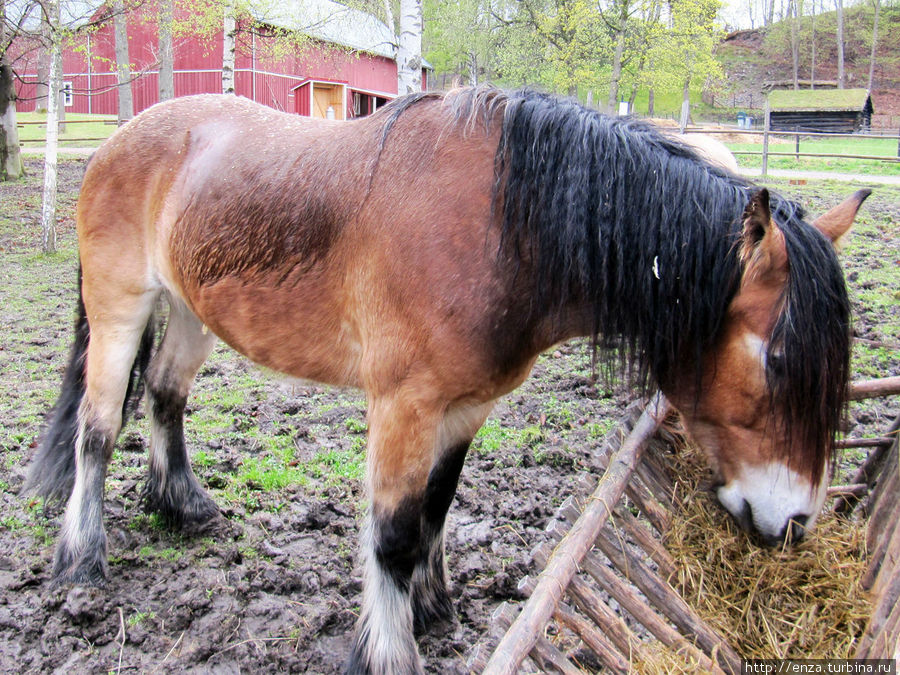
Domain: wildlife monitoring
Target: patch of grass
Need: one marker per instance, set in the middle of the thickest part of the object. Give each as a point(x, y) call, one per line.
point(92, 127)
point(492, 436)
point(876, 147)
point(267, 473)
point(139, 617)
point(355, 426)
point(340, 464)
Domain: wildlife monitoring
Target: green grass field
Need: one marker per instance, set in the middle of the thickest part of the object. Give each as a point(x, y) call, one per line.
point(96, 128)
point(876, 147)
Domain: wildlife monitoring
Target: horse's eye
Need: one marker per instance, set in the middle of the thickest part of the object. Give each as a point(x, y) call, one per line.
point(776, 364)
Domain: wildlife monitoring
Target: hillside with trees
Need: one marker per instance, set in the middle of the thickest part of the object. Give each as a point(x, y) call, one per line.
point(751, 58)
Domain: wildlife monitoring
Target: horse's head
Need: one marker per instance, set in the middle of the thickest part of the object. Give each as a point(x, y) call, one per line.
point(774, 385)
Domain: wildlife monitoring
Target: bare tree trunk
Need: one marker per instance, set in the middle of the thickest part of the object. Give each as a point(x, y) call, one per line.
point(389, 16)
point(685, 105)
point(409, 52)
point(874, 46)
point(812, 48)
point(795, 46)
point(839, 4)
point(48, 206)
point(651, 102)
point(229, 30)
point(473, 69)
point(43, 65)
point(770, 13)
point(123, 63)
point(11, 166)
point(166, 54)
point(616, 74)
point(10, 156)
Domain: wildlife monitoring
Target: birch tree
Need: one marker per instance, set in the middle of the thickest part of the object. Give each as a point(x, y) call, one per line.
point(795, 11)
point(166, 53)
point(10, 156)
point(229, 35)
point(48, 206)
point(409, 47)
point(839, 5)
point(812, 47)
point(123, 62)
point(874, 45)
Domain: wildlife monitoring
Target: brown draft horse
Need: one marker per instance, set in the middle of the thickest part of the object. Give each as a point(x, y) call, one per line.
point(428, 254)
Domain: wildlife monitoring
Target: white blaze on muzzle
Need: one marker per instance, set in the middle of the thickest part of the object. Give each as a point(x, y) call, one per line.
point(766, 498)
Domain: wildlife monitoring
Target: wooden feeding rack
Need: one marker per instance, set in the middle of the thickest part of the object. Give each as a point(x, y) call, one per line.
point(602, 599)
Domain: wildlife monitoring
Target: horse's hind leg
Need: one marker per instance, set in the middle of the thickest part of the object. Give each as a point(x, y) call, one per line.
point(172, 490)
point(117, 321)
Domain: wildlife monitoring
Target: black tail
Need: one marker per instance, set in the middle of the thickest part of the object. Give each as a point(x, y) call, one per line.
point(52, 471)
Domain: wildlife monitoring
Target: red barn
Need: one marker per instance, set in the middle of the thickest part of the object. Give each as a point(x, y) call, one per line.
point(342, 66)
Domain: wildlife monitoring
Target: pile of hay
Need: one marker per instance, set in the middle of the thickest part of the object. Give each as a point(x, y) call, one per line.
point(805, 602)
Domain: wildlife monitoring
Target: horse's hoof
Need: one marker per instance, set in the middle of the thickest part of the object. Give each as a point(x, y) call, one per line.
point(214, 523)
point(82, 575)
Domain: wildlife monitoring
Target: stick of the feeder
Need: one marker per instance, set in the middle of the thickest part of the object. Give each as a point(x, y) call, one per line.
point(863, 442)
point(870, 469)
point(521, 636)
point(619, 639)
point(663, 596)
point(626, 520)
point(596, 609)
point(501, 619)
point(885, 386)
point(637, 606)
point(856, 490)
point(656, 484)
point(880, 622)
point(653, 511)
point(883, 557)
point(883, 503)
point(544, 654)
point(889, 562)
point(594, 639)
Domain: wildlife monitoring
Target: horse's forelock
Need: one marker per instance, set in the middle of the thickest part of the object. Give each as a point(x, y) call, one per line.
point(813, 334)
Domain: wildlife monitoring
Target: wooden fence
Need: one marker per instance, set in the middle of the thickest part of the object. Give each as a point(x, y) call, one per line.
point(767, 134)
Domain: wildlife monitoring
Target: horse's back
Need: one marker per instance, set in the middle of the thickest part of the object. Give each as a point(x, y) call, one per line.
point(304, 243)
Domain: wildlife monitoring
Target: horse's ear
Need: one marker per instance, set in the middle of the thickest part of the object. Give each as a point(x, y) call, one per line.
point(757, 221)
point(837, 222)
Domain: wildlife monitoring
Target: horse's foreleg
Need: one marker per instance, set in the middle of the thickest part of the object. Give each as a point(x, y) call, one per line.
point(172, 490)
point(430, 598)
point(115, 333)
point(402, 432)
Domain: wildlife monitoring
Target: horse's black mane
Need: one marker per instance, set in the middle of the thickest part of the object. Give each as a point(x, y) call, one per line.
point(610, 210)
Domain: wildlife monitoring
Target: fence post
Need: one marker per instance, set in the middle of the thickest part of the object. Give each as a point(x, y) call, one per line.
point(765, 150)
point(797, 143)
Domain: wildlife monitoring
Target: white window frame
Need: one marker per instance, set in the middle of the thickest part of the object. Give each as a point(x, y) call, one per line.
point(68, 94)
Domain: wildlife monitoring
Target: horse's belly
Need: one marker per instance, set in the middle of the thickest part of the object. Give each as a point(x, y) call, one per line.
point(299, 329)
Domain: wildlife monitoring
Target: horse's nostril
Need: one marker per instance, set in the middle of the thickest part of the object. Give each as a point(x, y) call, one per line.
point(795, 530)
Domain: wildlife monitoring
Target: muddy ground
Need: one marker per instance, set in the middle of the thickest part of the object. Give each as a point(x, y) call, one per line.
point(279, 589)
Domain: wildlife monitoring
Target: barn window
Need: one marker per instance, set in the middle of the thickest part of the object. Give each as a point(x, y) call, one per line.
point(68, 97)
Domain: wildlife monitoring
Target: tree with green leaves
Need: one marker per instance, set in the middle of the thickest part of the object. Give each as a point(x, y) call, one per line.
point(686, 57)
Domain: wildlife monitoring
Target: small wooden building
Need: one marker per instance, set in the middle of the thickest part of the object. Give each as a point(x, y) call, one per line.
point(820, 110)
